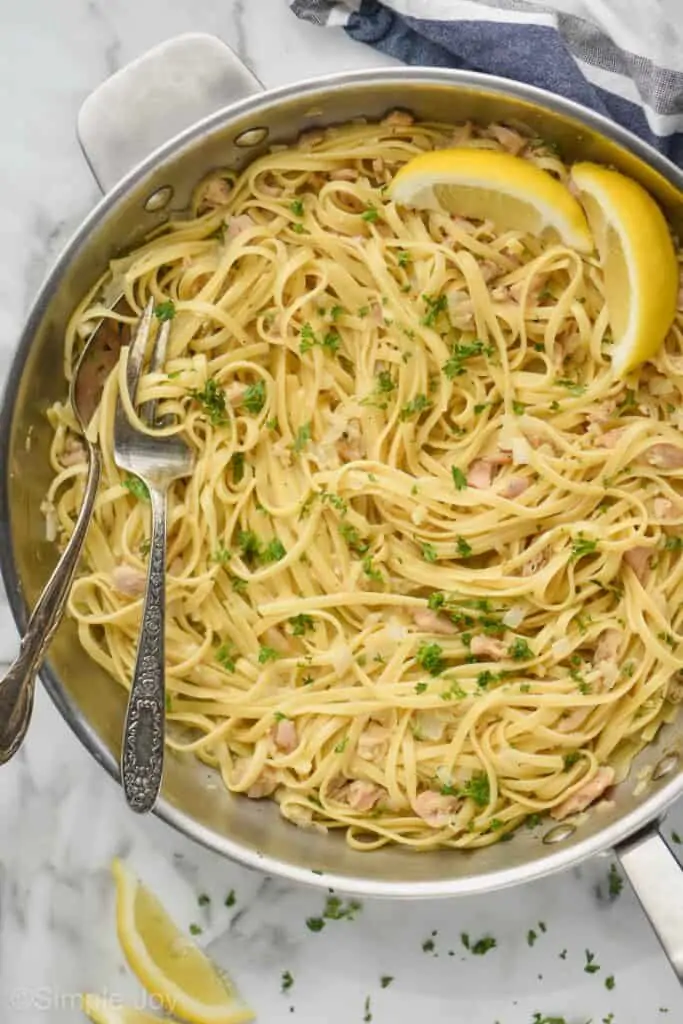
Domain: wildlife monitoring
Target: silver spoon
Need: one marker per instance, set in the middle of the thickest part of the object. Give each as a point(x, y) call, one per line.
point(17, 688)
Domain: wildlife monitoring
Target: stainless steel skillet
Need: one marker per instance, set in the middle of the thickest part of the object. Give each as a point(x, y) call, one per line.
point(186, 83)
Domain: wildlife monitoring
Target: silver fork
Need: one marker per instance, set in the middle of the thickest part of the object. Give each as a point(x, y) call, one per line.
point(157, 461)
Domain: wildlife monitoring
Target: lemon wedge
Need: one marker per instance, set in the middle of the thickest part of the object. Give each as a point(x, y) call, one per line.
point(638, 261)
point(169, 965)
point(101, 1011)
point(512, 192)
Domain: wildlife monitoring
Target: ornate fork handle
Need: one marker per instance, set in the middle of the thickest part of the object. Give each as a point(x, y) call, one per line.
point(142, 757)
point(18, 686)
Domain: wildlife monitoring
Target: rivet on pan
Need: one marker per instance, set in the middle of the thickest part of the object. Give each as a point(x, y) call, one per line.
point(251, 137)
point(559, 834)
point(665, 766)
point(159, 199)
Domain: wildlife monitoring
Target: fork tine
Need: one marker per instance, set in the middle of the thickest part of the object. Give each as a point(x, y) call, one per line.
point(148, 409)
point(138, 350)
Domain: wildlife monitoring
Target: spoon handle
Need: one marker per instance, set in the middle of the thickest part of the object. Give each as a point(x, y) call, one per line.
point(142, 753)
point(18, 685)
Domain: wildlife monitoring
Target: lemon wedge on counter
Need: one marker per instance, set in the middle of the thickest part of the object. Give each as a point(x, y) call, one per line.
point(101, 1011)
point(489, 185)
point(638, 261)
point(171, 967)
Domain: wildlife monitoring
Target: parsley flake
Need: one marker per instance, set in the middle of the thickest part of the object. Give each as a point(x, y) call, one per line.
point(137, 487)
point(165, 310)
point(459, 478)
point(430, 658)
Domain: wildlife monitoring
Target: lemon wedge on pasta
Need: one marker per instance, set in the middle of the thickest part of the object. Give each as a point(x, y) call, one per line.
point(487, 185)
point(179, 976)
point(638, 261)
point(102, 1011)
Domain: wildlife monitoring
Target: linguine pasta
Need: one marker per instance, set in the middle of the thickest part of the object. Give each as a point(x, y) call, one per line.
point(425, 580)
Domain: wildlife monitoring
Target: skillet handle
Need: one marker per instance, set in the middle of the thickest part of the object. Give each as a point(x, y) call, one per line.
point(657, 879)
point(154, 98)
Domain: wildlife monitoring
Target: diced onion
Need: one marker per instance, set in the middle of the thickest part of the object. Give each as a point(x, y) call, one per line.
point(514, 616)
point(561, 648)
point(431, 725)
point(395, 630)
point(51, 521)
point(520, 451)
point(341, 657)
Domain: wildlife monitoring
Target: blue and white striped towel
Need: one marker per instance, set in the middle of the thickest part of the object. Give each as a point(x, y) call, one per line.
point(623, 58)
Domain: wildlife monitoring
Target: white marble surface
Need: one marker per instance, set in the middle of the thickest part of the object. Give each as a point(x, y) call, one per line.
point(62, 820)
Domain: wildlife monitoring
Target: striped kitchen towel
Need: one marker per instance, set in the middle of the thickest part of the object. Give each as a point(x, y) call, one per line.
point(623, 58)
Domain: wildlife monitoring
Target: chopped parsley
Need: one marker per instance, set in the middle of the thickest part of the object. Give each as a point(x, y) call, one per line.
point(459, 478)
point(675, 838)
point(673, 544)
point(430, 658)
point(137, 487)
point(335, 500)
point(274, 551)
point(225, 656)
point(385, 382)
point(267, 654)
point(287, 981)
point(303, 436)
point(518, 408)
point(519, 649)
point(571, 758)
point(428, 946)
point(250, 546)
point(298, 228)
point(301, 624)
point(403, 258)
point(478, 789)
point(203, 899)
point(531, 937)
point(336, 910)
point(573, 387)
point(315, 924)
point(485, 678)
point(341, 746)
point(590, 967)
point(297, 207)
point(481, 946)
point(237, 465)
point(615, 883)
point(435, 306)
point(255, 397)
point(583, 546)
point(386, 980)
point(415, 406)
point(420, 688)
point(353, 538)
point(165, 310)
point(308, 340)
point(195, 929)
point(609, 982)
point(212, 400)
point(463, 548)
point(460, 353)
point(370, 215)
point(429, 552)
point(370, 571)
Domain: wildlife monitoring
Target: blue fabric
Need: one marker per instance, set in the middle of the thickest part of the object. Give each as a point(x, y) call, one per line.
point(538, 54)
